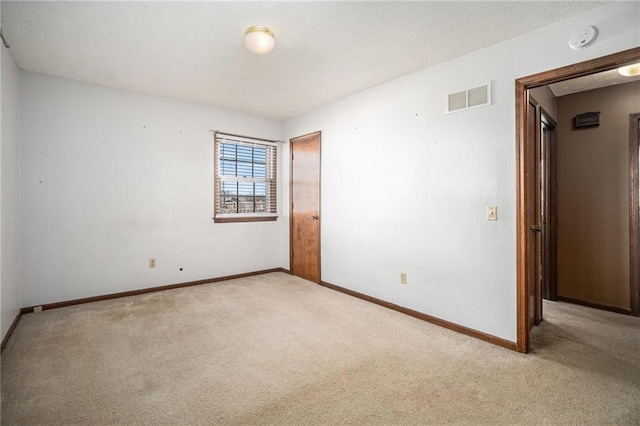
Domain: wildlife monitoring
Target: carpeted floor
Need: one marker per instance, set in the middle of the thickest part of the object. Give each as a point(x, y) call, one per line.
point(275, 349)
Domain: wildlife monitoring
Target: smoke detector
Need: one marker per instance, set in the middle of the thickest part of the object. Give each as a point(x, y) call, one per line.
point(582, 38)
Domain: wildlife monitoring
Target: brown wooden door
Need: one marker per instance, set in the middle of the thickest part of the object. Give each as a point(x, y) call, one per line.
point(534, 222)
point(549, 206)
point(305, 207)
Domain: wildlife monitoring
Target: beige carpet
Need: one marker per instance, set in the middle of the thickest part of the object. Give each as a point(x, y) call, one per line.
point(275, 349)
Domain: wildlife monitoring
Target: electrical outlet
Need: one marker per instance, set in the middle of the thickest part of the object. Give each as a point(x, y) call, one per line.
point(403, 278)
point(37, 309)
point(152, 262)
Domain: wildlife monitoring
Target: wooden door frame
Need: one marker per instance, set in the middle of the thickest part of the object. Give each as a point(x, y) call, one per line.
point(550, 228)
point(634, 213)
point(291, 142)
point(522, 85)
point(536, 318)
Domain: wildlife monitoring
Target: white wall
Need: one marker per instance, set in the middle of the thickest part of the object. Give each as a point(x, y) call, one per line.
point(112, 178)
point(405, 187)
point(9, 154)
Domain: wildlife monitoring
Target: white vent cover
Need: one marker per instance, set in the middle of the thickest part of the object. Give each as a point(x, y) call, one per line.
point(467, 99)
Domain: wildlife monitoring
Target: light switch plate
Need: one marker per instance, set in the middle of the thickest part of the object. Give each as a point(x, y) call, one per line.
point(492, 213)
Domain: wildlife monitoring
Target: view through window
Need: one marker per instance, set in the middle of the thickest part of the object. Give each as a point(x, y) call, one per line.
point(245, 178)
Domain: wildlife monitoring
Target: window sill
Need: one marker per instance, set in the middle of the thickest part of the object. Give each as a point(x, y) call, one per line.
point(245, 219)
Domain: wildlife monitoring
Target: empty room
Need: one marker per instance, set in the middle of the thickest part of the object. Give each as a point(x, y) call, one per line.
point(323, 213)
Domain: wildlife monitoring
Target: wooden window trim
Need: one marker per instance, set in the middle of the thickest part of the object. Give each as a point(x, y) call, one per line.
point(245, 219)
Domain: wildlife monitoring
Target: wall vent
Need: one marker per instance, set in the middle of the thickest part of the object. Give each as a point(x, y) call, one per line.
point(588, 119)
point(467, 99)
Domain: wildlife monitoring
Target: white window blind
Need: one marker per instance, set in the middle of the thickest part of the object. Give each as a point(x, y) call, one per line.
point(245, 178)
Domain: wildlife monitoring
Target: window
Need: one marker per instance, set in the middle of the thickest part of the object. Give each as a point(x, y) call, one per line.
point(245, 179)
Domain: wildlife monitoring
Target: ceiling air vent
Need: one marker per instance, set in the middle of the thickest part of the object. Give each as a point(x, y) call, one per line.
point(588, 119)
point(468, 99)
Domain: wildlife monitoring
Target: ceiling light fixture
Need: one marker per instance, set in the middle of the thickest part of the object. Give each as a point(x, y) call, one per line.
point(630, 70)
point(259, 39)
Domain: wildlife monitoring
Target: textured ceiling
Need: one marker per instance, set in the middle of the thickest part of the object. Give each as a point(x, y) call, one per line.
point(324, 50)
point(590, 82)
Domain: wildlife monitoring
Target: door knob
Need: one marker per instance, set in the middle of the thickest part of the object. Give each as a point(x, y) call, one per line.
point(314, 217)
point(535, 228)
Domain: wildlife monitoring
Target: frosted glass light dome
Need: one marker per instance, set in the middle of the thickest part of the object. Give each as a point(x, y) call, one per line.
point(630, 70)
point(259, 40)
